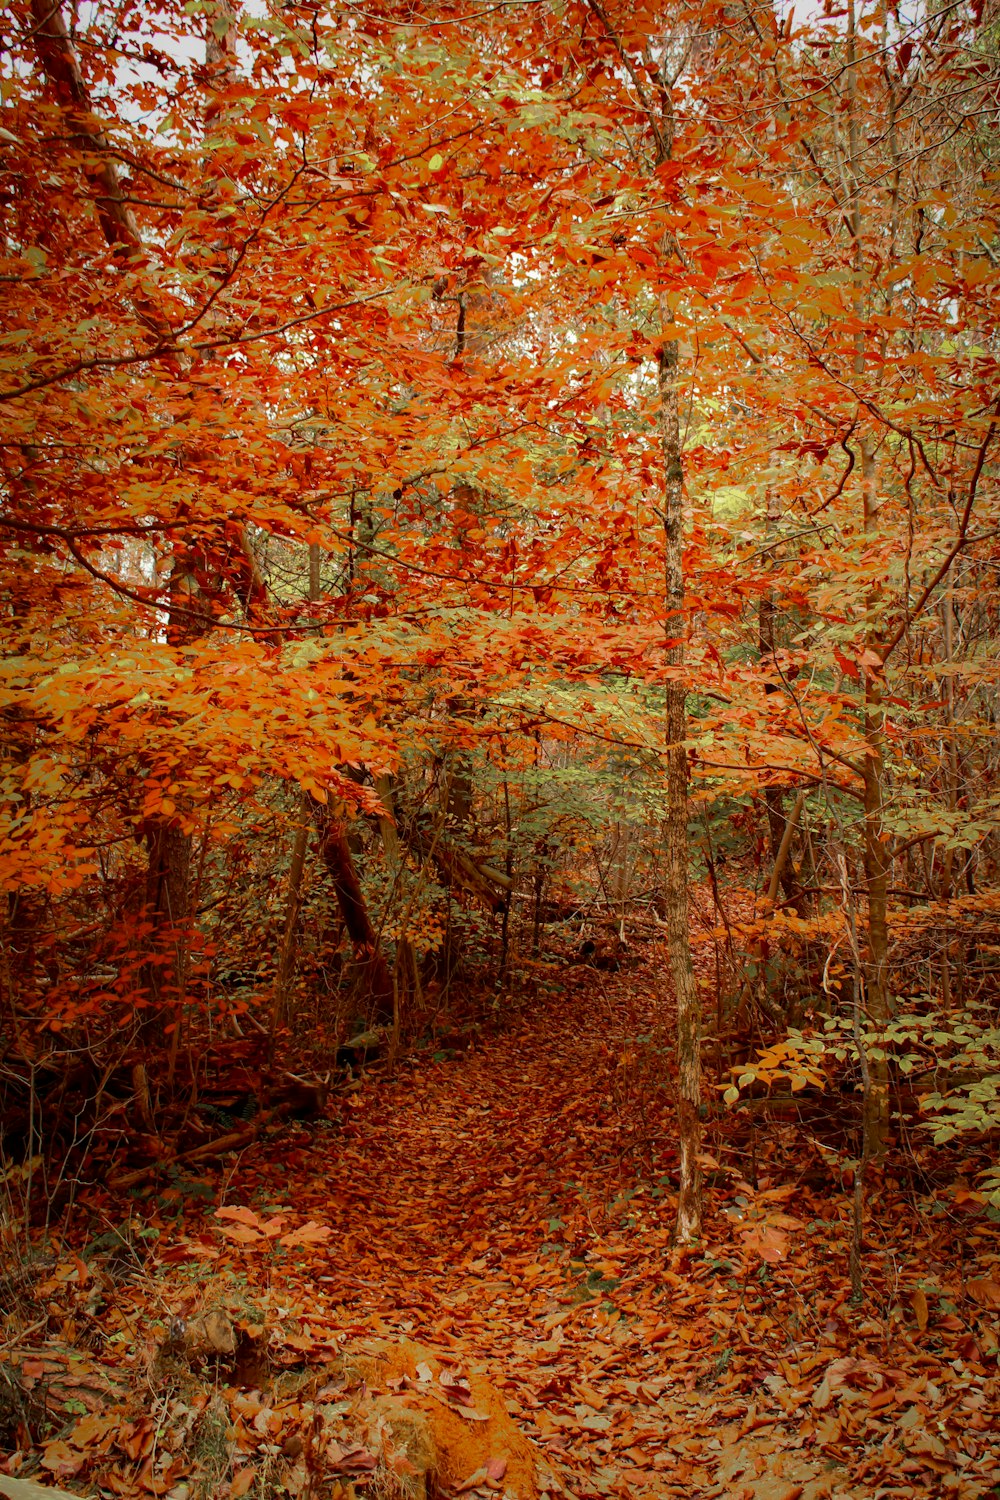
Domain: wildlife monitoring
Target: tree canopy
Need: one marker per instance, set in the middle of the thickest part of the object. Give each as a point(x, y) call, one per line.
point(538, 455)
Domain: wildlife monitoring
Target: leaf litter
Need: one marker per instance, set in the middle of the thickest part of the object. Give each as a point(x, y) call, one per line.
point(477, 1257)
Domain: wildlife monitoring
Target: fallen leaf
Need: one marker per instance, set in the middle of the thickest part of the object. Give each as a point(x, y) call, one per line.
point(984, 1290)
point(27, 1489)
point(59, 1458)
point(918, 1301)
point(472, 1483)
point(767, 1241)
point(456, 1387)
point(242, 1482)
point(267, 1422)
point(468, 1412)
point(351, 1460)
point(90, 1429)
point(219, 1331)
point(239, 1216)
point(152, 1482)
point(665, 1330)
point(308, 1234)
point(243, 1234)
point(837, 1374)
point(135, 1439)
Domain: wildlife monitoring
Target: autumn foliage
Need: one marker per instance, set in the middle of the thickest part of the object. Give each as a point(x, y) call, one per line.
point(470, 475)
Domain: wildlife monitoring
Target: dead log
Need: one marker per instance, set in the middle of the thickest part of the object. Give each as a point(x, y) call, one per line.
point(336, 855)
point(457, 868)
point(234, 1140)
point(294, 1098)
point(27, 1489)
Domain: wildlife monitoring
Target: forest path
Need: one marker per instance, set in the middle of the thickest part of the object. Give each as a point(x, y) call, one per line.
point(509, 1211)
point(490, 1207)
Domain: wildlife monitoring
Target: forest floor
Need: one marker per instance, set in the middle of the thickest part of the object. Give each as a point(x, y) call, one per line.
point(480, 1247)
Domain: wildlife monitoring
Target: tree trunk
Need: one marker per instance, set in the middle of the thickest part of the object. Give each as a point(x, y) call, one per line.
point(950, 759)
point(407, 971)
point(676, 885)
point(62, 68)
point(662, 125)
point(876, 854)
point(286, 957)
point(296, 868)
point(774, 801)
point(876, 857)
point(336, 855)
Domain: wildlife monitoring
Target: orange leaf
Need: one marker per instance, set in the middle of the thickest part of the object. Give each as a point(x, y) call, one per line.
point(90, 1429)
point(918, 1301)
point(239, 1215)
point(60, 1459)
point(309, 1234)
point(769, 1243)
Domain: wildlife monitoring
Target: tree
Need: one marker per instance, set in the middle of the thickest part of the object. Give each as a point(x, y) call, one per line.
point(391, 401)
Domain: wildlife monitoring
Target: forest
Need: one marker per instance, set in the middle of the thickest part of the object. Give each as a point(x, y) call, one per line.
point(499, 690)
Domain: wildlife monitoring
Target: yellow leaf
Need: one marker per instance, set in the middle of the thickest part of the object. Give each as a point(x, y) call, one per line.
point(918, 1301)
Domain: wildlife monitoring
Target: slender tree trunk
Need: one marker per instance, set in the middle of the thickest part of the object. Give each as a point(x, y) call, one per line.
point(621, 876)
point(508, 865)
point(876, 854)
point(167, 898)
point(953, 790)
point(774, 800)
point(460, 793)
point(169, 846)
point(877, 859)
point(62, 68)
point(296, 868)
point(676, 885)
point(877, 862)
point(765, 646)
point(688, 1227)
point(406, 975)
point(293, 900)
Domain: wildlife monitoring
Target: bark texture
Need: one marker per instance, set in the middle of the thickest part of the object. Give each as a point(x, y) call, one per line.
point(676, 885)
point(336, 855)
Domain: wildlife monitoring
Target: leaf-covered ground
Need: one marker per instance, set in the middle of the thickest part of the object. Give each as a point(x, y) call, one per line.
point(509, 1209)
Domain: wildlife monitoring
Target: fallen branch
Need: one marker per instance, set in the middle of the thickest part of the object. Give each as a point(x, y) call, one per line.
point(457, 868)
point(235, 1140)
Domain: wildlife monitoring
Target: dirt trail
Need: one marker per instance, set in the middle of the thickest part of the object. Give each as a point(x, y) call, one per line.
point(490, 1205)
point(514, 1206)
point(510, 1211)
